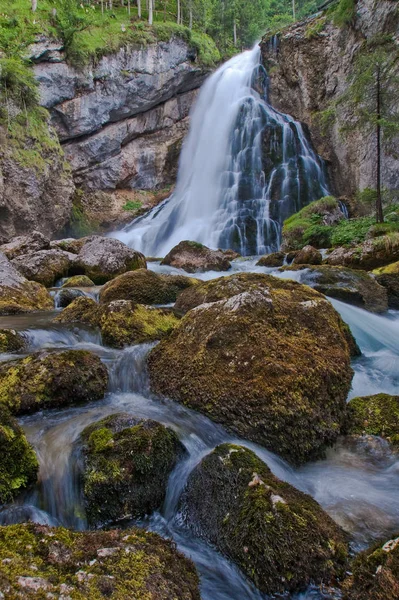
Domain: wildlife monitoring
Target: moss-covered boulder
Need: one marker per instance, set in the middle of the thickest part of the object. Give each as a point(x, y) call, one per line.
point(11, 341)
point(349, 285)
point(145, 287)
point(81, 310)
point(388, 277)
point(123, 323)
point(280, 537)
point(375, 415)
point(194, 257)
point(78, 281)
point(17, 294)
point(37, 561)
point(25, 244)
point(18, 462)
point(371, 254)
point(275, 259)
point(266, 357)
point(45, 266)
point(52, 380)
point(102, 259)
point(127, 463)
point(65, 297)
point(308, 256)
point(375, 573)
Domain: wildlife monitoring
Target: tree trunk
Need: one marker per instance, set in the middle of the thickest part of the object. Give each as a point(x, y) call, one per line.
point(379, 213)
point(138, 8)
point(102, 7)
point(293, 10)
point(178, 12)
point(190, 23)
point(150, 12)
point(34, 5)
point(235, 33)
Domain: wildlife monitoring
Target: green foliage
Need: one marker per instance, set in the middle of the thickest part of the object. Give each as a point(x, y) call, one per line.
point(315, 27)
point(79, 224)
point(344, 12)
point(17, 82)
point(132, 205)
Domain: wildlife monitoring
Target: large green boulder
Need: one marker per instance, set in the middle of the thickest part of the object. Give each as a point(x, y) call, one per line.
point(18, 462)
point(52, 380)
point(41, 562)
point(280, 537)
point(375, 415)
point(81, 310)
point(266, 357)
point(127, 463)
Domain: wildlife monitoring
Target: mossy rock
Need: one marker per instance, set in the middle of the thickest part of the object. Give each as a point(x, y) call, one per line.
point(194, 257)
point(127, 463)
point(145, 287)
point(280, 537)
point(375, 573)
point(78, 281)
point(275, 259)
point(123, 323)
point(392, 269)
point(18, 462)
point(52, 380)
point(81, 310)
point(390, 281)
point(349, 285)
point(11, 341)
point(375, 415)
point(266, 357)
point(44, 266)
point(308, 256)
point(36, 561)
point(370, 255)
point(65, 297)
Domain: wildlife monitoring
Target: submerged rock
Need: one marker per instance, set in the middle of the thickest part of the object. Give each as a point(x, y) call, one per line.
point(194, 257)
point(349, 285)
point(280, 537)
point(52, 380)
point(18, 462)
point(45, 266)
point(44, 562)
point(17, 294)
point(266, 357)
point(127, 463)
point(11, 341)
point(25, 244)
point(78, 281)
point(145, 287)
point(308, 256)
point(375, 415)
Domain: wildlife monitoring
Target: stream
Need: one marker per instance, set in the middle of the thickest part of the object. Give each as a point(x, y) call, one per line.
point(357, 484)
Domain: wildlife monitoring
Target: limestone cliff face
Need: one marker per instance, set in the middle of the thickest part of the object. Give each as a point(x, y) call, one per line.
point(309, 68)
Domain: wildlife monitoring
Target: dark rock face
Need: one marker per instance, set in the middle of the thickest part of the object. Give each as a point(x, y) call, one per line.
point(279, 536)
point(52, 380)
point(390, 281)
point(194, 257)
point(127, 463)
point(268, 358)
point(36, 560)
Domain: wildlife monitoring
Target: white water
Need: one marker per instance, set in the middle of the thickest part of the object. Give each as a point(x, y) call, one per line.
point(244, 168)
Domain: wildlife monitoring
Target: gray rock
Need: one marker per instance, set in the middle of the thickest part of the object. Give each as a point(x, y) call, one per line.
point(45, 266)
point(25, 244)
point(194, 257)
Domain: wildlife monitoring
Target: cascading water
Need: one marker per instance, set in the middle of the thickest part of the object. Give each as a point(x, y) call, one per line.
point(244, 168)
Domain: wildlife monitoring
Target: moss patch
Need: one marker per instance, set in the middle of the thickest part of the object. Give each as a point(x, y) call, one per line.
point(375, 415)
point(11, 341)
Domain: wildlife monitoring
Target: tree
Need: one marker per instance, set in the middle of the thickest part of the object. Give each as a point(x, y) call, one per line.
point(34, 5)
point(372, 98)
point(150, 12)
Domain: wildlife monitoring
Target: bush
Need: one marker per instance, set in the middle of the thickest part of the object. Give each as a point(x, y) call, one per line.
point(17, 81)
point(344, 12)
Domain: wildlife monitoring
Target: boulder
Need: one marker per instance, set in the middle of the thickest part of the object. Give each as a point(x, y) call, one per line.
point(66, 296)
point(78, 281)
point(194, 257)
point(17, 294)
point(375, 415)
point(373, 253)
point(275, 259)
point(11, 341)
point(25, 244)
point(145, 287)
point(280, 537)
point(81, 310)
point(52, 380)
point(349, 285)
point(18, 462)
point(102, 259)
point(266, 357)
point(388, 277)
point(127, 463)
point(375, 573)
point(308, 256)
point(123, 323)
point(37, 561)
point(71, 245)
point(45, 266)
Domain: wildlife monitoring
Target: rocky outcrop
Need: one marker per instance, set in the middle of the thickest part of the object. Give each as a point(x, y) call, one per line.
point(309, 65)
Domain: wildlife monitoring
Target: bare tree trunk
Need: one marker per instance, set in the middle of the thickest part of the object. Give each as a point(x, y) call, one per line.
point(150, 12)
point(190, 21)
point(293, 10)
point(379, 212)
point(164, 10)
point(178, 12)
point(110, 4)
point(138, 8)
point(34, 5)
point(122, 2)
point(235, 33)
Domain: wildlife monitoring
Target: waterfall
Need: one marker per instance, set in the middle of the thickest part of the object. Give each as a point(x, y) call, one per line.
point(244, 168)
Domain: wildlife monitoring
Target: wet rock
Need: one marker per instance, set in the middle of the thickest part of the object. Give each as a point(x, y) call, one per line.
point(57, 379)
point(102, 259)
point(349, 285)
point(230, 254)
point(17, 294)
point(141, 564)
point(127, 463)
point(375, 573)
point(266, 357)
point(375, 415)
point(78, 281)
point(194, 257)
point(145, 287)
point(275, 259)
point(11, 341)
point(65, 297)
point(388, 277)
point(81, 310)
point(25, 244)
point(280, 537)
point(123, 323)
point(45, 266)
point(18, 462)
point(308, 256)
point(373, 253)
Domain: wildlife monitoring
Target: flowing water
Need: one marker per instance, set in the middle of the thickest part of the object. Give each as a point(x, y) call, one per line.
point(356, 483)
point(244, 168)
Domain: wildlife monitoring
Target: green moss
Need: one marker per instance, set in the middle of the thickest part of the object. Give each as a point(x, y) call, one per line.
point(392, 269)
point(306, 227)
point(344, 12)
point(78, 281)
point(11, 341)
point(82, 310)
point(376, 415)
point(315, 27)
point(132, 205)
